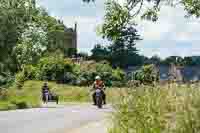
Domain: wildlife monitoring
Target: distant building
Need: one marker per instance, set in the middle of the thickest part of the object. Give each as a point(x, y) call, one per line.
point(71, 40)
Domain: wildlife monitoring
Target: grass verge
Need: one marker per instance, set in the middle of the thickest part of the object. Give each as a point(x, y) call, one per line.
point(29, 96)
point(158, 110)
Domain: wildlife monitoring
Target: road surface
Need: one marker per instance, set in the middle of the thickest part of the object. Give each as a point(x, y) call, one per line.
point(55, 119)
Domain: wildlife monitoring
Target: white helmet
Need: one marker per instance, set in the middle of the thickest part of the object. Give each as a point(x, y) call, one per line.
point(97, 77)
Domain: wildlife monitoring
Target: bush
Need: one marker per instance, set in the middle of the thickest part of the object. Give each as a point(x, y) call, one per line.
point(118, 75)
point(53, 67)
point(30, 72)
point(148, 74)
point(62, 70)
point(3, 94)
point(6, 79)
point(20, 78)
point(111, 76)
point(20, 104)
point(2, 80)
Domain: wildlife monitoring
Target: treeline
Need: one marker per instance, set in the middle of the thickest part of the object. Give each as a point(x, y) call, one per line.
point(177, 60)
point(100, 53)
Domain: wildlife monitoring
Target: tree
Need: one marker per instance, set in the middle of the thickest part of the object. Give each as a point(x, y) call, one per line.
point(31, 46)
point(56, 32)
point(122, 34)
point(14, 16)
point(100, 53)
point(177, 60)
point(17, 15)
point(155, 60)
point(192, 60)
point(188, 61)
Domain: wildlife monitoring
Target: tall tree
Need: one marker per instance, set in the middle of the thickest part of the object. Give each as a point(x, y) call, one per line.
point(14, 15)
point(119, 29)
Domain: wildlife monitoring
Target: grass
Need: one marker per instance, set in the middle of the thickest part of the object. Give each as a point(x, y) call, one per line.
point(29, 96)
point(158, 110)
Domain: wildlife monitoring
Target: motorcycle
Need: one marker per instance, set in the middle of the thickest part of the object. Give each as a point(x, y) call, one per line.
point(50, 97)
point(99, 99)
point(45, 97)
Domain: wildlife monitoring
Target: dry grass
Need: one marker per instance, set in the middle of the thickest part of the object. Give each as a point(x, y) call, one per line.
point(158, 110)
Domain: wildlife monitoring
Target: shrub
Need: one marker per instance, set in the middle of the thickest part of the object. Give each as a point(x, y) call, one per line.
point(111, 76)
point(62, 70)
point(3, 94)
point(2, 80)
point(6, 79)
point(118, 75)
point(55, 68)
point(20, 78)
point(29, 72)
point(148, 74)
point(20, 104)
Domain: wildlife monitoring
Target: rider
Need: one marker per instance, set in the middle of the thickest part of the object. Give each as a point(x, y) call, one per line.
point(45, 92)
point(98, 83)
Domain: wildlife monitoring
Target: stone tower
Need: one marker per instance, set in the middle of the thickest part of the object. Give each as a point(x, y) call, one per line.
point(71, 40)
point(175, 73)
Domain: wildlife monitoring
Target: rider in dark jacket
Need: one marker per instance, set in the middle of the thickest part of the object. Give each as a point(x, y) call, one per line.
point(45, 91)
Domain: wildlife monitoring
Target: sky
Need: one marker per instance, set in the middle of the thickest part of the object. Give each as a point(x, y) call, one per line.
point(171, 35)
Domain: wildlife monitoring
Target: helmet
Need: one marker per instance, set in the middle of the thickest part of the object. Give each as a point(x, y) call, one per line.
point(45, 83)
point(97, 78)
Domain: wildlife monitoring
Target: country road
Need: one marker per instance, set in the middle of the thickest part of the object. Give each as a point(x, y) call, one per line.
point(55, 119)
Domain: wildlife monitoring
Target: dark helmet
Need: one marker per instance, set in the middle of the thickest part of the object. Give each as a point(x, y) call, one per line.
point(45, 83)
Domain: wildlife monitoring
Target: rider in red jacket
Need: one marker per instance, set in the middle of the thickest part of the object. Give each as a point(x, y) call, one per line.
point(98, 83)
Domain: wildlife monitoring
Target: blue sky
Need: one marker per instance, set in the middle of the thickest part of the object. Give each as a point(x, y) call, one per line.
point(171, 35)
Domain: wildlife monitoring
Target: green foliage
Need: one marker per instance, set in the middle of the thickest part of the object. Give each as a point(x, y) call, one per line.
point(119, 29)
point(20, 78)
point(31, 46)
point(100, 53)
point(3, 94)
point(192, 7)
point(56, 32)
point(13, 16)
point(54, 68)
point(116, 18)
point(27, 31)
point(89, 70)
point(20, 104)
point(148, 74)
point(6, 79)
point(118, 74)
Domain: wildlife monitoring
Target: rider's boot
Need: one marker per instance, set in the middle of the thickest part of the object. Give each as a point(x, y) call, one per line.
point(94, 99)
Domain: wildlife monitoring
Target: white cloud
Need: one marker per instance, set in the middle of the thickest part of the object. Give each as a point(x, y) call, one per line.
point(171, 35)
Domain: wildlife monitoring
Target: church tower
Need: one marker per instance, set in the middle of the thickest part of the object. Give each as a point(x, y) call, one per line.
point(75, 36)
